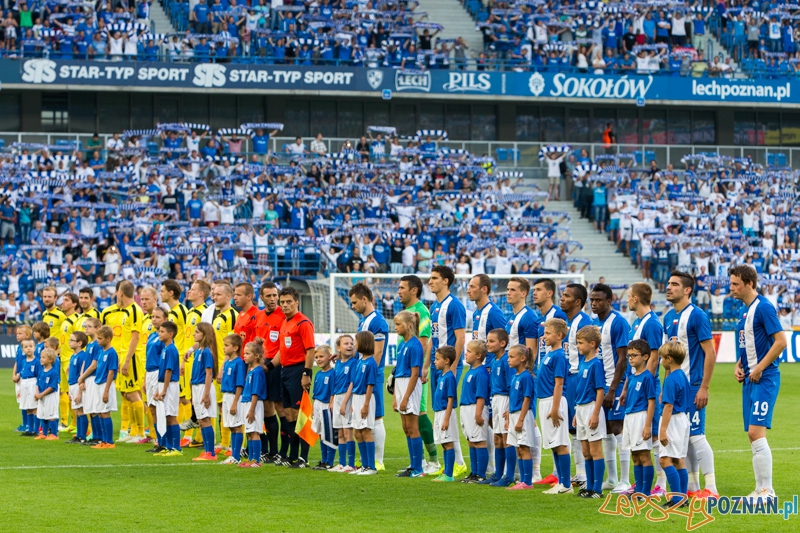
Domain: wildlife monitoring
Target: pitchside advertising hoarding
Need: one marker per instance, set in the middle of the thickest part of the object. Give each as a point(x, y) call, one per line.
point(725, 342)
point(631, 88)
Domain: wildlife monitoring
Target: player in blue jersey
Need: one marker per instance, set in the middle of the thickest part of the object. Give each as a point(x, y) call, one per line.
point(640, 405)
point(690, 325)
point(151, 361)
point(24, 333)
point(77, 343)
point(253, 396)
point(590, 419)
point(543, 291)
point(500, 381)
point(341, 405)
point(363, 302)
point(647, 327)
point(573, 299)
point(46, 395)
point(519, 419)
point(105, 394)
point(91, 326)
point(487, 316)
point(234, 377)
point(445, 402)
point(322, 421)
point(408, 388)
point(365, 381)
point(168, 390)
point(204, 395)
point(475, 397)
point(448, 322)
point(673, 431)
point(613, 352)
point(760, 340)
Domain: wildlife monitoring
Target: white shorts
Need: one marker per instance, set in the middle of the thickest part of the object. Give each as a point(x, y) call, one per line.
point(171, 399)
point(677, 435)
point(341, 421)
point(47, 407)
point(632, 432)
point(73, 393)
point(625, 234)
point(553, 436)
point(360, 422)
point(99, 405)
point(318, 422)
point(88, 396)
point(16, 392)
point(521, 438)
point(197, 402)
point(27, 388)
point(470, 428)
point(258, 417)
point(414, 400)
point(151, 385)
point(229, 420)
point(440, 436)
point(582, 430)
point(499, 408)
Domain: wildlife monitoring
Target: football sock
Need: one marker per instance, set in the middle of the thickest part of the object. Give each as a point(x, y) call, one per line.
point(31, 419)
point(457, 450)
point(418, 448)
point(294, 446)
point(511, 462)
point(362, 452)
point(237, 439)
point(24, 417)
point(286, 436)
point(647, 480)
point(684, 477)
point(577, 457)
point(490, 449)
point(482, 455)
point(208, 439)
point(175, 436)
point(304, 448)
point(370, 447)
point(588, 465)
point(762, 463)
point(661, 477)
point(449, 462)
point(125, 414)
point(137, 418)
point(426, 432)
point(108, 425)
point(610, 454)
point(624, 463)
point(83, 423)
point(255, 445)
point(53, 427)
point(151, 423)
point(526, 471)
point(637, 477)
point(63, 408)
point(343, 453)
point(473, 461)
point(536, 452)
point(564, 469)
point(674, 480)
point(351, 454)
point(225, 437)
point(97, 427)
point(705, 460)
point(599, 472)
point(273, 430)
point(693, 468)
point(499, 462)
point(380, 439)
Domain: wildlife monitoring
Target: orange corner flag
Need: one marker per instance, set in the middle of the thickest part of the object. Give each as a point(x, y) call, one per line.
point(303, 426)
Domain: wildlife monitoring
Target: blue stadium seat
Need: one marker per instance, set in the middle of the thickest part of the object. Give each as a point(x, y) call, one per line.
point(780, 160)
point(2, 143)
point(513, 154)
point(152, 149)
point(501, 154)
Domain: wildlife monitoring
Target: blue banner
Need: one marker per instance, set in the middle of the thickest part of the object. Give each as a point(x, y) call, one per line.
point(546, 86)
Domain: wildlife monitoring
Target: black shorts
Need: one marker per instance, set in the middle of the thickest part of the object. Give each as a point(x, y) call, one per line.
point(292, 390)
point(274, 384)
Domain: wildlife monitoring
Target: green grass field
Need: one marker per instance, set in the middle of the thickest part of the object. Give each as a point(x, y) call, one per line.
point(50, 486)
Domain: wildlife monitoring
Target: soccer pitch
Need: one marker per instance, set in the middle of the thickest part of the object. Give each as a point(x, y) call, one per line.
point(50, 486)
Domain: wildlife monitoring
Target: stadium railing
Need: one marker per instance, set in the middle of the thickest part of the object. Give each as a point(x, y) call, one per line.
point(518, 155)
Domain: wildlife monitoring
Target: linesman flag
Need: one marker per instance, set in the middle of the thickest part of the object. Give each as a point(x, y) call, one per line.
point(303, 426)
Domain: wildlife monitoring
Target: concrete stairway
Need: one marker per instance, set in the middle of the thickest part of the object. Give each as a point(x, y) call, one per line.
point(160, 19)
point(605, 261)
point(455, 19)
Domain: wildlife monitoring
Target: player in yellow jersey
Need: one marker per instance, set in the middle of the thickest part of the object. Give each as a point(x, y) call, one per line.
point(196, 296)
point(224, 319)
point(149, 299)
point(52, 316)
point(87, 309)
point(69, 306)
point(170, 295)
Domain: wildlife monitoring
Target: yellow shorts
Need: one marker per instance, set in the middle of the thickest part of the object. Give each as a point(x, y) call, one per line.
point(218, 390)
point(63, 383)
point(186, 379)
point(133, 381)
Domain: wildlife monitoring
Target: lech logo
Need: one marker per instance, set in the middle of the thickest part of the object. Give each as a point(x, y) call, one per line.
point(536, 84)
point(375, 78)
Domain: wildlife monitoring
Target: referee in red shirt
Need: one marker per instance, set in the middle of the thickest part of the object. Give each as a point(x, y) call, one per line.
point(268, 327)
point(296, 358)
point(245, 325)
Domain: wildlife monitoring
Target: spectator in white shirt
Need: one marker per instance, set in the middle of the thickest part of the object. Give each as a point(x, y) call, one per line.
point(409, 257)
point(297, 148)
point(210, 212)
point(318, 146)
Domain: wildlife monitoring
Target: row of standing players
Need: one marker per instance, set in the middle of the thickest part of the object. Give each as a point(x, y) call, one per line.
point(444, 325)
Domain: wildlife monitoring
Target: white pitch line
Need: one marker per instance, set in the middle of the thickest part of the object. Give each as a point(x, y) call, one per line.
point(748, 450)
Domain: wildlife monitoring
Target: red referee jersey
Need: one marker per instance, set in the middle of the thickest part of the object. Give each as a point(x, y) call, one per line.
point(245, 325)
point(296, 337)
point(268, 327)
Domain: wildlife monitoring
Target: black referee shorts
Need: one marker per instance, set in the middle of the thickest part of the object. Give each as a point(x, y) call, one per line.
point(292, 390)
point(274, 384)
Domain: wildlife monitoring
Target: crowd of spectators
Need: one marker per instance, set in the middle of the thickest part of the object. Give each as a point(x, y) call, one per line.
point(181, 202)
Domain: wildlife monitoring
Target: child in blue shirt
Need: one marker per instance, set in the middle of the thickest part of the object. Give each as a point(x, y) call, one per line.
point(104, 395)
point(364, 380)
point(253, 396)
point(590, 420)
point(168, 390)
point(23, 335)
point(86, 381)
point(340, 403)
point(322, 423)
point(46, 397)
point(445, 401)
point(204, 395)
point(77, 363)
point(475, 397)
point(673, 432)
point(519, 419)
point(151, 363)
point(234, 375)
point(408, 387)
point(640, 406)
point(500, 376)
point(27, 388)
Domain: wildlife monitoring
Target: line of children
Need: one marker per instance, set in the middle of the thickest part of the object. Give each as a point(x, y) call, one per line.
point(341, 404)
point(322, 422)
